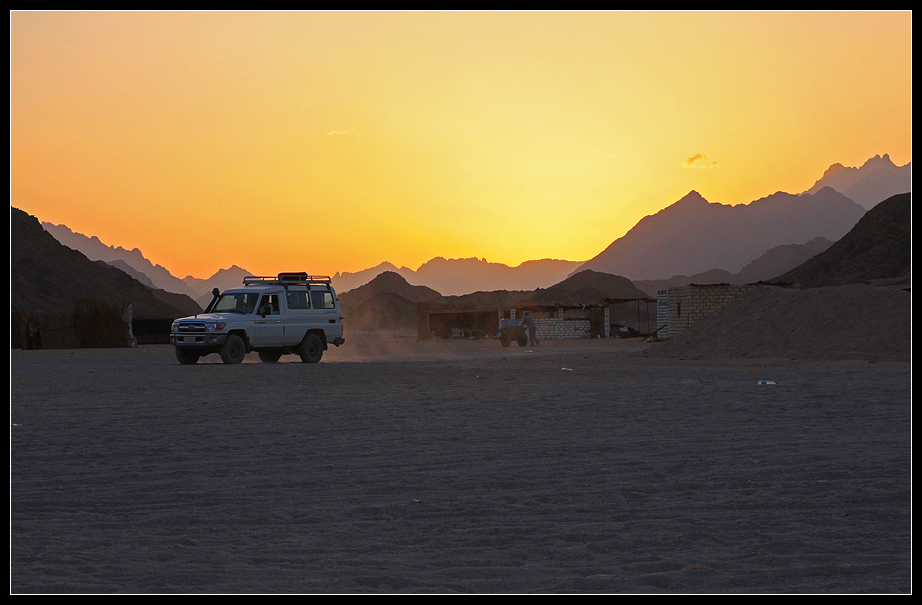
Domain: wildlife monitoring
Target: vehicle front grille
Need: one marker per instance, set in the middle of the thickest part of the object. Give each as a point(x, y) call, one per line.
point(194, 326)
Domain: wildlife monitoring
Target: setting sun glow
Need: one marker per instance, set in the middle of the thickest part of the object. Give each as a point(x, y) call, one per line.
point(334, 141)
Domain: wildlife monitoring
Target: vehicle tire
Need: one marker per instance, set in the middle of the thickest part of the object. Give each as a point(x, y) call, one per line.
point(270, 356)
point(523, 341)
point(311, 349)
point(233, 350)
point(505, 341)
point(185, 356)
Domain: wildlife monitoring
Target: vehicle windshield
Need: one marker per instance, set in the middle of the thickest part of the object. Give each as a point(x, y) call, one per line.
point(239, 302)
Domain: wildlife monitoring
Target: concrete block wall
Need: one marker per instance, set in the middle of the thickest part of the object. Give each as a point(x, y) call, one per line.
point(556, 328)
point(688, 304)
point(553, 328)
point(662, 314)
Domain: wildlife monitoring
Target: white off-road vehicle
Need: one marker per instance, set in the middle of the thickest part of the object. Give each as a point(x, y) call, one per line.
point(274, 316)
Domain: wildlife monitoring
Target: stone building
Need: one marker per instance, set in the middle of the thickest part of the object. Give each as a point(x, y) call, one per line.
point(678, 308)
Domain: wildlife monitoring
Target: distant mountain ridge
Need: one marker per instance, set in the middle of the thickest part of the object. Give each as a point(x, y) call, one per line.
point(694, 235)
point(94, 249)
point(691, 237)
point(765, 268)
point(222, 280)
point(135, 264)
point(457, 276)
point(874, 181)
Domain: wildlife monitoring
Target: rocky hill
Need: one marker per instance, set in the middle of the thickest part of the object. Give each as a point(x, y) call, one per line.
point(386, 302)
point(390, 283)
point(694, 235)
point(46, 276)
point(587, 288)
point(780, 259)
point(878, 247)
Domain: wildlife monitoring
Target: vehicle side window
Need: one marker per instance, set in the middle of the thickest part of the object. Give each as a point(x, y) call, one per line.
point(269, 304)
point(322, 300)
point(297, 300)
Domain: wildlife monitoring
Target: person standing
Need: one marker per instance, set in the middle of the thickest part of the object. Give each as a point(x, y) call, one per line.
point(529, 322)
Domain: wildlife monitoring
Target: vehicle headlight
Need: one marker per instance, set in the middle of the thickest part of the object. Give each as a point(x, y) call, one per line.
point(174, 326)
point(215, 326)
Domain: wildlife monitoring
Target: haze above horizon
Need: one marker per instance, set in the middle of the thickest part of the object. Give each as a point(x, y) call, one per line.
point(334, 141)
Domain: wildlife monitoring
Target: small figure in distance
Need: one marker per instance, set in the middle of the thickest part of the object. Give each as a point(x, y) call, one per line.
point(529, 322)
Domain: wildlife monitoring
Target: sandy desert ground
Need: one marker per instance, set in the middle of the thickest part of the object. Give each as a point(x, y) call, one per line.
point(398, 466)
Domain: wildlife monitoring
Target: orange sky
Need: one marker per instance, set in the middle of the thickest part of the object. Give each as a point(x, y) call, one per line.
point(334, 141)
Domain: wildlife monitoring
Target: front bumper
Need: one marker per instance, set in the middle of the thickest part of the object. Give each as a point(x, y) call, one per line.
point(197, 340)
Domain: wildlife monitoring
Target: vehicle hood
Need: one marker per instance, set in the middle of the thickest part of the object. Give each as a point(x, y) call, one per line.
point(212, 317)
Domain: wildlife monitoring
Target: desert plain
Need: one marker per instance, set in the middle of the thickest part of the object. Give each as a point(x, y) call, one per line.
point(405, 466)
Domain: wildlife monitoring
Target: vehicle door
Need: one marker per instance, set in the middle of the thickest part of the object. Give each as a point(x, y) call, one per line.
point(325, 313)
point(297, 314)
point(267, 329)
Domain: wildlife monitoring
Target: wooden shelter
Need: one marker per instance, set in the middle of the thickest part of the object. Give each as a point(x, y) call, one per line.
point(643, 327)
point(93, 323)
point(447, 320)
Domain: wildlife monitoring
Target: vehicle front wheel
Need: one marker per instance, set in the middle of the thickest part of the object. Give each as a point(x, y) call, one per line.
point(233, 350)
point(185, 356)
point(311, 349)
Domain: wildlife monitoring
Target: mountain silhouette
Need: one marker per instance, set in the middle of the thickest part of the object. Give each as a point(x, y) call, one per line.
point(135, 264)
point(765, 268)
point(693, 235)
point(346, 281)
point(391, 283)
point(709, 242)
point(386, 302)
point(141, 268)
point(878, 247)
point(47, 276)
point(587, 287)
point(458, 276)
point(876, 180)
point(222, 280)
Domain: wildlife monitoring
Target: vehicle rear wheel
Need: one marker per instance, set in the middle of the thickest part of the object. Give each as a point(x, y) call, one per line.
point(270, 356)
point(233, 350)
point(523, 341)
point(505, 341)
point(185, 356)
point(311, 349)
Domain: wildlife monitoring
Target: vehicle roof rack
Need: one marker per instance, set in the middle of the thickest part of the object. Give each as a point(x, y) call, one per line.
point(287, 279)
